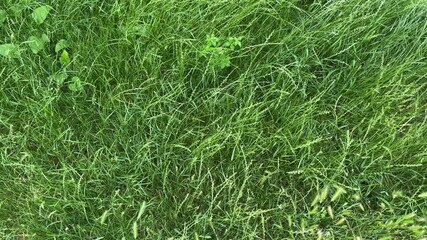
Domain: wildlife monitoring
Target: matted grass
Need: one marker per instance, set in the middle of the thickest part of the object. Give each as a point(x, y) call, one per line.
point(204, 119)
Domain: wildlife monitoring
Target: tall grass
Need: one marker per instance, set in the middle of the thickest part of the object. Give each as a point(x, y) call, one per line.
point(312, 125)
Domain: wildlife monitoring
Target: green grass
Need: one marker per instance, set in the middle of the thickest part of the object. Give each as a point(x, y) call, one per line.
point(283, 119)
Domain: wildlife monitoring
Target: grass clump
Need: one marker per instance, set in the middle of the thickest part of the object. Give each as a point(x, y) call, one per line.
point(213, 119)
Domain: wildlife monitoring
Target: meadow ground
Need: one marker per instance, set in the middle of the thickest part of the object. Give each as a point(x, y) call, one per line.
point(202, 119)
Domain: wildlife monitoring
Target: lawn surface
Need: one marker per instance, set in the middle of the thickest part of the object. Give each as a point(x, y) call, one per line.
point(273, 119)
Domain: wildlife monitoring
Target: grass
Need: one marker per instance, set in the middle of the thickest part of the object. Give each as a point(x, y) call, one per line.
point(213, 119)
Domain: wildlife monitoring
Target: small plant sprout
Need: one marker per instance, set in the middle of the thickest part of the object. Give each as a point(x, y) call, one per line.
point(218, 50)
point(75, 85)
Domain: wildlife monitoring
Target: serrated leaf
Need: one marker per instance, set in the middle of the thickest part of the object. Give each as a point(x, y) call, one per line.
point(64, 59)
point(423, 195)
point(61, 44)
point(3, 15)
point(37, 44)
point(40, 14)
point(8, 50)
point(75, 84)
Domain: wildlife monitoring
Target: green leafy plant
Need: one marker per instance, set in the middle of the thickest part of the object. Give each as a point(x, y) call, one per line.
point(9, 50)
point(218, 50)
point(64, 59)
point(40, 14)
point(75, 84)
point(233, 42)
point(37, 43)
point(17, 9)
point(60, 77)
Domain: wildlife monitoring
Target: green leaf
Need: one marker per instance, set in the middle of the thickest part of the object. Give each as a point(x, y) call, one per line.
point(40, 14)
point(17, 9)
point(8, 50)
point(45, 38)
point(3, 15)
point(60, 77)
point(61, 44)
point(64, 59)
point(38, 43)
point(423, 195)
point(211, 40)
point(75, 84)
